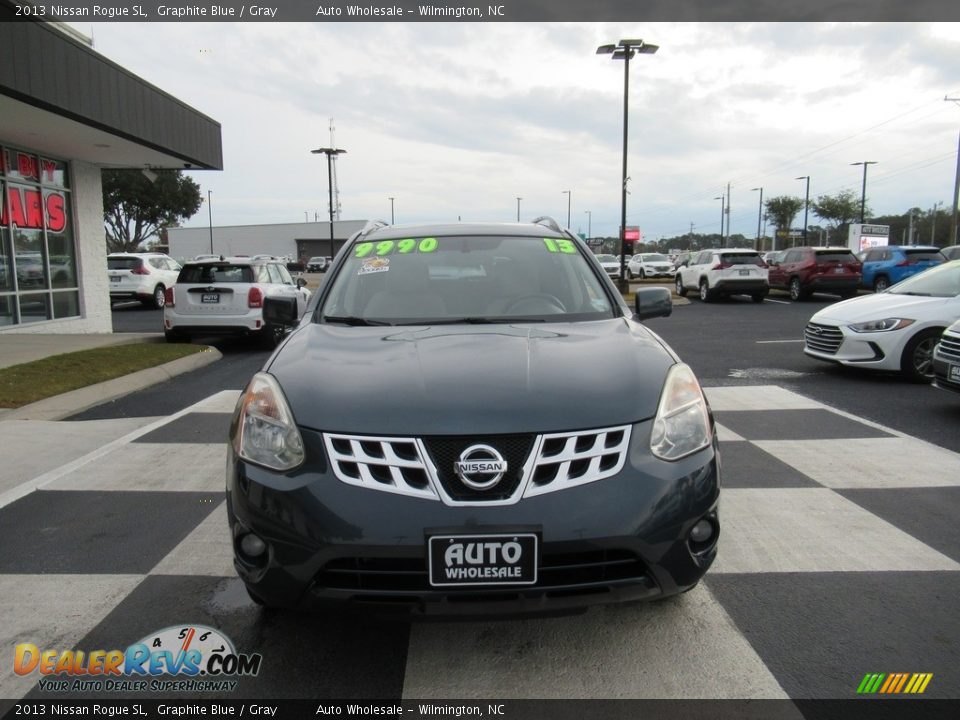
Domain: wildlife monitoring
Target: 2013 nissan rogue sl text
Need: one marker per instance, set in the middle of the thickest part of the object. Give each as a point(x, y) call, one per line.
point(446, 431)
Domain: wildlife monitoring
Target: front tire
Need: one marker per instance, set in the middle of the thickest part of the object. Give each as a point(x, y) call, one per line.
point(880, 284)
point(681, 290)
point(629, 274)
point(916, 363)
point(643, 275)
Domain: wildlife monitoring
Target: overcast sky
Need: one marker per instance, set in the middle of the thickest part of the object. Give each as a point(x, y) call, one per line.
point(457, 120)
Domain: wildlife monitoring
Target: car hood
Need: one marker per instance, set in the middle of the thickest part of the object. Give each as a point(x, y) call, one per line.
point(882, 305)
point(471, 379)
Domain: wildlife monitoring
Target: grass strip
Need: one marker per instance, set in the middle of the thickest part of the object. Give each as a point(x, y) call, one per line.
point(26, 383)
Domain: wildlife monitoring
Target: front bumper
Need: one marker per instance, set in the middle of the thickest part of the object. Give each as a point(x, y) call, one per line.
point(618, 539)
point(942, 369)
point(838, 344)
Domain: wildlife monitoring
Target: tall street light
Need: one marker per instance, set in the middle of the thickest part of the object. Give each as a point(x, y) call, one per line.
point(759, 214)
point(863, 192)
point(806, 206)
point(723, 201)
point(330, 152)
point(589, 223)
point(625, 50)
point(569, 195)
point(210, 217)
point(391, 212)
point(518, 208)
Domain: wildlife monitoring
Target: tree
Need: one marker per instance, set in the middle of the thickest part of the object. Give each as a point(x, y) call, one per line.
point(782, 210)
point(135, 209)
point(838, 210)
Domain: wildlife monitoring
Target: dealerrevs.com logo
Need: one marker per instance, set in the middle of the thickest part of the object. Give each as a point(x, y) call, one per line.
point(201, 658)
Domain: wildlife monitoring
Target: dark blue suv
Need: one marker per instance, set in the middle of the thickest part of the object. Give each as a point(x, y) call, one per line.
point(886, 266)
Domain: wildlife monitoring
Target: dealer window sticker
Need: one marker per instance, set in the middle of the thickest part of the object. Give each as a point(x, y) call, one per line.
point(374, 265)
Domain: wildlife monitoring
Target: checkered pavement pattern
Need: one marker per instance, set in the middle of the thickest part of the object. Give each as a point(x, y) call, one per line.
point(839, 555)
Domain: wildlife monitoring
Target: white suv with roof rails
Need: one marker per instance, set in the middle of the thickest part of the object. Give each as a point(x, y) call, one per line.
point(225, 297)
point(141, 276)
point(721, 272)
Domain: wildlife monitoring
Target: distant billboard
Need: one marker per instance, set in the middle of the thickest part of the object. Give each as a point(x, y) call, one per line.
point(864, 237)
point(632, 234)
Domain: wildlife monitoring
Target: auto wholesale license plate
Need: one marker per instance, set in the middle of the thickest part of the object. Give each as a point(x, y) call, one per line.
point(478, 560)
point(114, 278)
point(953, 373)
point(210, 298)
point(744, 272)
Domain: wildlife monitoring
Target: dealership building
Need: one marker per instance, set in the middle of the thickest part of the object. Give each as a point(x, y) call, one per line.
point(67, 112)
point(296, 240)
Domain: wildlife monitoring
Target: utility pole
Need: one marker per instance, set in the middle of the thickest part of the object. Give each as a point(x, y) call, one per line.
point(910, 229)
point(725, 243)
point(933, 222)
point(956, 183)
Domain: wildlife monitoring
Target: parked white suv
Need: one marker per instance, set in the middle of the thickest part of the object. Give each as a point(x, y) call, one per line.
point(141, 276)
point(649, 265)
point(225, 297)
point(721, 272)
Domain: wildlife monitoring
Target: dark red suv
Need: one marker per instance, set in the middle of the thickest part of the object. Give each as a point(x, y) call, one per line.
point(806, 270)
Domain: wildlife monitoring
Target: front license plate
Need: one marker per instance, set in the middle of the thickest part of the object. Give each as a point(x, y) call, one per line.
point(478, 560)
point(954, 373)
point(744, 272)
point(210, 298)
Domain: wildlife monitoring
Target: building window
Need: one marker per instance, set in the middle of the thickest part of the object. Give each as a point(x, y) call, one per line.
point(38, 251)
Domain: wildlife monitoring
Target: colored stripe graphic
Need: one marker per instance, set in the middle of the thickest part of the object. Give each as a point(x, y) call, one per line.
point(894, 683)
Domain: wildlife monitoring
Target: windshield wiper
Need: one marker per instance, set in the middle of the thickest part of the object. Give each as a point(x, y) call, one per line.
point(475, 320)
point(353, 320)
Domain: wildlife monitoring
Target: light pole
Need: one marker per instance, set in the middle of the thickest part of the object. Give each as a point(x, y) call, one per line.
point(806, 206)
point(863, 192)
point(391, 211)
point(759, 214)
point(625, 50)
point(330, 152)
point(589, 223)
point(723, 200)
point(210, 217)
point(518, 208)
point(569, 195)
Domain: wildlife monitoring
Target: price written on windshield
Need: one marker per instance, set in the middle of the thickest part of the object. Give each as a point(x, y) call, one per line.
point(402, 247)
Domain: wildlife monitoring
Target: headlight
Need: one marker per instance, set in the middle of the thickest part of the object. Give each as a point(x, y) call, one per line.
point(682, 425)
point(885, 325)
point(265, 431)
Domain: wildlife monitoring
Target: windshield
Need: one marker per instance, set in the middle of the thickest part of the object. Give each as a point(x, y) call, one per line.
point(607, 258)
point(655, 257)
point(465, 279)
point(938, 281)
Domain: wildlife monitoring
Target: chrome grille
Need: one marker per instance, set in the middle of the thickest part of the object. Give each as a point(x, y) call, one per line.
point(569, 459)
point(381, 463)
point(949, 347)
point(544, 463)
point(823, 338)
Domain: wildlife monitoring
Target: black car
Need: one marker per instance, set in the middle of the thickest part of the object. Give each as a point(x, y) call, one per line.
point(446, 432)
point(317, 264)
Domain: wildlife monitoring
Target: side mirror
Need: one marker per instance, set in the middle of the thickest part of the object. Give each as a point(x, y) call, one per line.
point(301, 282)
point(651, 302)
point(280, 311)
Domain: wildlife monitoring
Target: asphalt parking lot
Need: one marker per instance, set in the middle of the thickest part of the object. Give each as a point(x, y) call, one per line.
point(839, 554)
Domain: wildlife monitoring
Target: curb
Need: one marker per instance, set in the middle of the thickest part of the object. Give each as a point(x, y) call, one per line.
point(75, 401)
